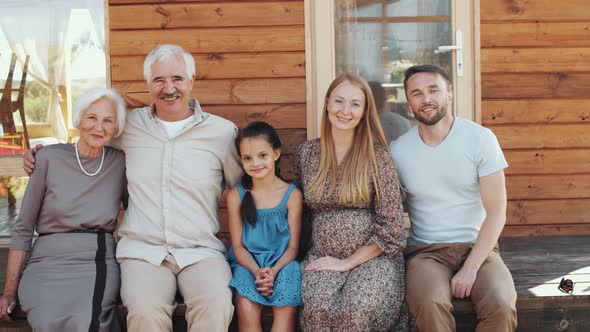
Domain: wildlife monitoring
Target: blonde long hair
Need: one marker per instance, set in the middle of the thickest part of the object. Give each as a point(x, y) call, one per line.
point(359, 166)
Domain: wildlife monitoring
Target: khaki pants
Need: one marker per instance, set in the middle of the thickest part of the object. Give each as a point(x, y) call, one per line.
point(430, 268)
point(148, 292)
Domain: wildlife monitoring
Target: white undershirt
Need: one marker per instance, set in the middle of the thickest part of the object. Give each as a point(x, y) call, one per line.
point(175, 127)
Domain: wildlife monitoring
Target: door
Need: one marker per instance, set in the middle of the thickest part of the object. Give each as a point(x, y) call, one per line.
point(379, 39)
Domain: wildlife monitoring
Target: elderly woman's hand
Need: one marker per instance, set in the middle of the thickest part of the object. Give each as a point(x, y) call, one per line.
point(328, 263)
point(7, 304)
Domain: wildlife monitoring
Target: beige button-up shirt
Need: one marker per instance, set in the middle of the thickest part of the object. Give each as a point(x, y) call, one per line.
point(174, 185)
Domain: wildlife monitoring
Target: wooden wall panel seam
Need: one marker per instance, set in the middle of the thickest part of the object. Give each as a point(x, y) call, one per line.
point(537, 124)
point(245, 79)
point(548, 174)
point(115, 3)
point(544, 230)
point(142, 56)
point(198, 15)
point(217, 27)
point(490, 124)
point(219, 40)
point(571, 70)
point(535, 21)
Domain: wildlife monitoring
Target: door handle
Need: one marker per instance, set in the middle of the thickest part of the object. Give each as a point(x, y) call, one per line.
point(458, 48)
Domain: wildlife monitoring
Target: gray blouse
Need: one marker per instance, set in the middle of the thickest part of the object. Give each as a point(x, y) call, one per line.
point(61, 198)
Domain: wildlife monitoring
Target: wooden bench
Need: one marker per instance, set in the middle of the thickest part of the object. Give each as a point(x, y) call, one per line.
point(537, 265)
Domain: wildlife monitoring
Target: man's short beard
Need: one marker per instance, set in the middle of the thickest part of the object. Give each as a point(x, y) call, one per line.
point(440, 113)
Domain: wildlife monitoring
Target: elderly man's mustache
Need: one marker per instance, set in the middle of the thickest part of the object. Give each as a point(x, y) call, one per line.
point(170, 95)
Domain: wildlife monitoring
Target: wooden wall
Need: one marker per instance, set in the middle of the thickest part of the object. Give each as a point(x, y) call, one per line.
point(250, 58)
point(535, 86)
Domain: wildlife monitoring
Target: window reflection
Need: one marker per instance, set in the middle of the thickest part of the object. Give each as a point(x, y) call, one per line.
point(379, 40)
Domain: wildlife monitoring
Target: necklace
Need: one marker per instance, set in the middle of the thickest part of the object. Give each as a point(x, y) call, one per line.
point(80, 163)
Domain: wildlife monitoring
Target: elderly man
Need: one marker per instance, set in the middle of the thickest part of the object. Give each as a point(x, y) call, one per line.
point(177, 159)
point(453, 173)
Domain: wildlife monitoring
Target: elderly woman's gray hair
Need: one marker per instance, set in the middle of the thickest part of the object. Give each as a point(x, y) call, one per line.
point(90, 97)
point(164, 52)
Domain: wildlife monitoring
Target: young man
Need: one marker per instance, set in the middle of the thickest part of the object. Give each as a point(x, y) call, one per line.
point(453, 172)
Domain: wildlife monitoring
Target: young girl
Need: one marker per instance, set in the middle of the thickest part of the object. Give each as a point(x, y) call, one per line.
point(265, 223)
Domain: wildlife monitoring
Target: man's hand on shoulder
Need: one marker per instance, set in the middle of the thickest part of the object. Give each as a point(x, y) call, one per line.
point(29, 159)
point(462, 282)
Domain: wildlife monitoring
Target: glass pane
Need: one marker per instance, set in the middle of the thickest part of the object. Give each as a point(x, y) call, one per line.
point(397, 8)
point(415, 43)
point(369, 9)
point(381, 48)
point(418, 8)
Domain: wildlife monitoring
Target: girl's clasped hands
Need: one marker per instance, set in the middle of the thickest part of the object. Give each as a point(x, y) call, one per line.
point(265, 279)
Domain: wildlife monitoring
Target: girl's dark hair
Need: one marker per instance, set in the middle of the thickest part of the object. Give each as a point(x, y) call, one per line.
point(255, 129)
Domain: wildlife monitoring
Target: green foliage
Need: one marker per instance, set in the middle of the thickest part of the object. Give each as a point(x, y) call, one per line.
point(37, 97)
point(36, 102)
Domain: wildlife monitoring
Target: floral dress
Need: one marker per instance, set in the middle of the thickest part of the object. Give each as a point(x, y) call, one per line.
point(370, 297)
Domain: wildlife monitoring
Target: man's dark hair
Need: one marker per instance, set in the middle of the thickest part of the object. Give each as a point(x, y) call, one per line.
point(425, 69)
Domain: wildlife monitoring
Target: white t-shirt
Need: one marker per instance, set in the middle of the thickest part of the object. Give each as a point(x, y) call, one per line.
point(442, 182)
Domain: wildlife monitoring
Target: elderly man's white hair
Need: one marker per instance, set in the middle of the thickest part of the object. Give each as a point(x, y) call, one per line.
point(89, 97)
point(164, 52)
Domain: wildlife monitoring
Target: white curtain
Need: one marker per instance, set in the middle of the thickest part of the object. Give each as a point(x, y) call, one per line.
point(96, 9)
point(38, 28)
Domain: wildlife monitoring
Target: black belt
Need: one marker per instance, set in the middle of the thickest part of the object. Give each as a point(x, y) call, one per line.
point(81, 230)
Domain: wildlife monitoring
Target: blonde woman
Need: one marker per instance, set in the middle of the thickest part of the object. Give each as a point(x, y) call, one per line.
point(353, 274)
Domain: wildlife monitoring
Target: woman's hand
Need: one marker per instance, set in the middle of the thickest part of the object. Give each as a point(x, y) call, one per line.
point(16, 261)
point(265, 279)
point(328, 263)
point(7, 304)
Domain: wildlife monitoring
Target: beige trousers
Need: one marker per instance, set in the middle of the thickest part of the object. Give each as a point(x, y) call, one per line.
point(430, 268)
point(148, 292)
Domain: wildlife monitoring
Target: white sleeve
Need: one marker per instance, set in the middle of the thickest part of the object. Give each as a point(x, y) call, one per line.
point(490, 156)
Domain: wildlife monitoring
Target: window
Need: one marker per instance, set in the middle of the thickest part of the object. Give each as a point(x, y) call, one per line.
point(64, 42)
point(379, 39)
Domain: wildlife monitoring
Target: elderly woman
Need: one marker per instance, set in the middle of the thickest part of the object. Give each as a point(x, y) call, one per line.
point(70, 280)
point(353, 275)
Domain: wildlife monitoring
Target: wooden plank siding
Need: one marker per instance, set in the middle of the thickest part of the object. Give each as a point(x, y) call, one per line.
point(537, 10)
point(535, 88)
point(249, 55)
point(222, 65)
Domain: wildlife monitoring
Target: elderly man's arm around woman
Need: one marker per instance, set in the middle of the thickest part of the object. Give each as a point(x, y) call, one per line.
point(70, 279)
